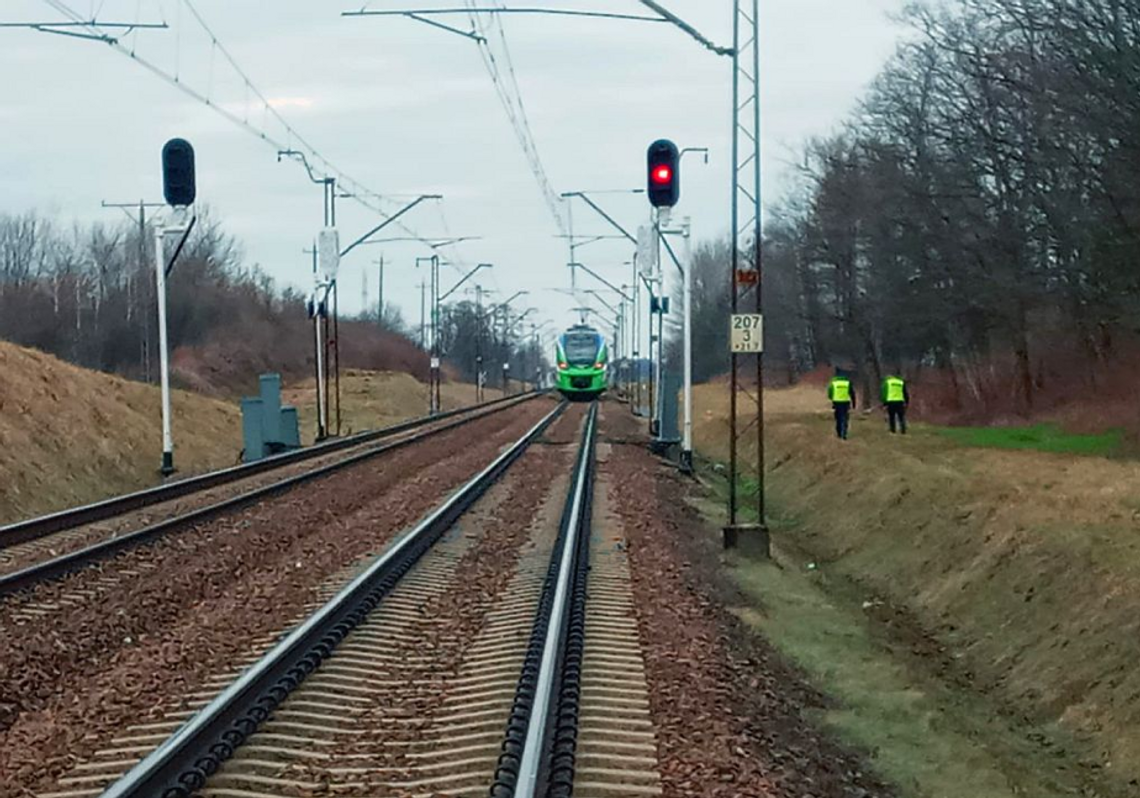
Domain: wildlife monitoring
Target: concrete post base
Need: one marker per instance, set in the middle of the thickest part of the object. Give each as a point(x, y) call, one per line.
point(751, 539)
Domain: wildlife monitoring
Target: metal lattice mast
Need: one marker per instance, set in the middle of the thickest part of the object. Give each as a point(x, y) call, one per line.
point(747, 402)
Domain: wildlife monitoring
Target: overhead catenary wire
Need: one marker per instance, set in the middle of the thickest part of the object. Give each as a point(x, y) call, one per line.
point(356, 190)
point(505, 81)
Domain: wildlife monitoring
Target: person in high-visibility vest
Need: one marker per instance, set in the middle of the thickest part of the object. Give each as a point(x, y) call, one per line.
point(896, 398)
point(841, 393)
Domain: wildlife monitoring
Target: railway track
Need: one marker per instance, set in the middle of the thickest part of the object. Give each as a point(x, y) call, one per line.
point(490, 650)
point(49, 546)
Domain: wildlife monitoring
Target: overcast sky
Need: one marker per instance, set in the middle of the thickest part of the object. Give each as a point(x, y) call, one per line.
point(407, 109)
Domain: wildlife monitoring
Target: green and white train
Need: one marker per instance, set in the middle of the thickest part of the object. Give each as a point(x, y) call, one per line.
point(583, 363)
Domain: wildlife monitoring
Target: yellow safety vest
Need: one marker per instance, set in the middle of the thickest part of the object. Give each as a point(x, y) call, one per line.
point(896, 389)
point(840, 390)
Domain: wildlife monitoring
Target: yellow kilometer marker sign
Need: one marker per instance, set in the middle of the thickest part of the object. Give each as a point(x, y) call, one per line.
point(747, 332)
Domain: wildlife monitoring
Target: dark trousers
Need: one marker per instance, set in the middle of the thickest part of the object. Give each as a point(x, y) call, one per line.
point(842, 418)
point(896, 412)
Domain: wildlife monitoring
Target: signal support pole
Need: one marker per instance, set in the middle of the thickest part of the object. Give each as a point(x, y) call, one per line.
point(163, 350)
point(179, 190)
point(160, 270)
point(687, 439)
point(317, 304)
point(660, 215)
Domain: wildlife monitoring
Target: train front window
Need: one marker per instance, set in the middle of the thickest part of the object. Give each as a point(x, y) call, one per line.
point(581, 348)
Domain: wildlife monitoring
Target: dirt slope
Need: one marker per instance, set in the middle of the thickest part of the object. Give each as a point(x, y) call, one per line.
point(70, 436)
point(1025, 565)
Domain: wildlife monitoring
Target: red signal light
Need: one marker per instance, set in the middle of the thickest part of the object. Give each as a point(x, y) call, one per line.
point(663, 178)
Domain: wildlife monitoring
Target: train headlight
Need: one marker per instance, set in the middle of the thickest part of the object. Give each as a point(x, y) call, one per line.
point(563, 366)
point(599, 365)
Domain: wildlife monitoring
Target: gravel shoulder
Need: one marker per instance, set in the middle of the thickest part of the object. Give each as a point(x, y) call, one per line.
point(733, 718)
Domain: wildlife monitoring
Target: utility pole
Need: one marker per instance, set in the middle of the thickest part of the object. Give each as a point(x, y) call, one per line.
point(439, 299)
point(336, 347)
point(331, 255)
point(380, 291)
point(423, 316)
point(433, 298)
point(318, 312)
point(478, 344)
point(534, 353)
point(321, 289)
point(506, 352)
point(639, 405)
point(435, 349)
point(143, 273)
point(364, 291)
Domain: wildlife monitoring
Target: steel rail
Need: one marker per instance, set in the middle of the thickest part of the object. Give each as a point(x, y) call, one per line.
point(66, 563)
point(180, 766)
point(542, 719)
point(42, 526)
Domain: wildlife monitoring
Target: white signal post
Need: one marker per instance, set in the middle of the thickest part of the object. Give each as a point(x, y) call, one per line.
point(663, 216)
point(163, 350)
point(322, 409)
point(687, 439)
point(160, 233)
point(687, 293)
point(648, 261)
point(328, 263)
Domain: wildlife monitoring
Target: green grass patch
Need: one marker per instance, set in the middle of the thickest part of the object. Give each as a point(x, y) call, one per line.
point(1039, 437)
point(930, 740)
point(921, 731)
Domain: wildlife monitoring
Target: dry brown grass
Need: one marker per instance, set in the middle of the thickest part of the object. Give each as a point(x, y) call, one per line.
point(372, 399)
point(1025, 564)
point(70, 436)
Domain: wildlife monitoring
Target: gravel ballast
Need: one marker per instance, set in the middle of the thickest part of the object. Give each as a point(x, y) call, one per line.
point(158, 621)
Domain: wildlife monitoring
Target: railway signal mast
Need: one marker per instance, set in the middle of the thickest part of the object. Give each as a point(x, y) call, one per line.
point(664, 191)
point(664, 178)
point(180, 190)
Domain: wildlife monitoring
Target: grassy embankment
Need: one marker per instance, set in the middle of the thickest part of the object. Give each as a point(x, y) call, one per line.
point(377, 399)
point(976, 610)
point(71, 436)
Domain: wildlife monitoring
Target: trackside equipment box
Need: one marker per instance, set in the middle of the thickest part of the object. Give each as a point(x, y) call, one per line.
point(267, 426)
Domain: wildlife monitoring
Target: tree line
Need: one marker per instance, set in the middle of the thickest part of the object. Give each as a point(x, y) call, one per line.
point(978, 215)
point(86, 294)
point(471, 335)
